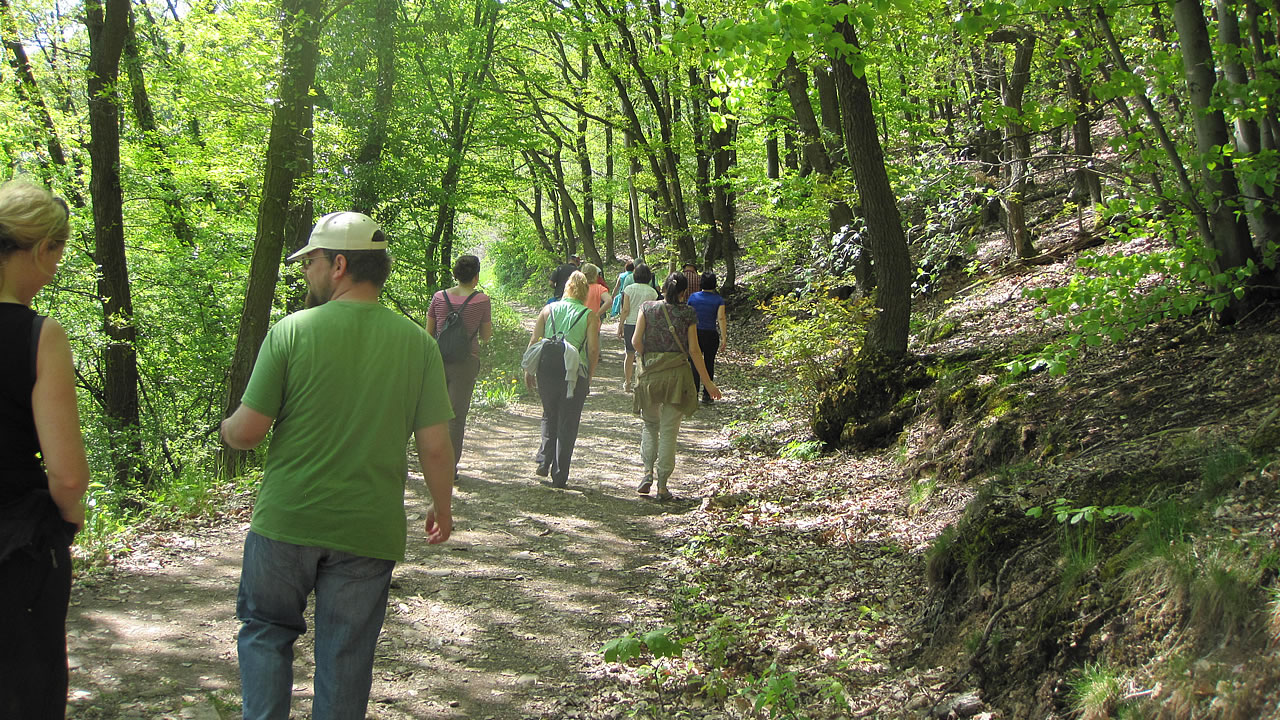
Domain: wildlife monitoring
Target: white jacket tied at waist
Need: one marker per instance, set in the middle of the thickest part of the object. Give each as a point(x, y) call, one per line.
point(573, 365)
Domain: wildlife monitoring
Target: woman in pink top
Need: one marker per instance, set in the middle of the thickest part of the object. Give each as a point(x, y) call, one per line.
point(477, 318)
point(598, 297)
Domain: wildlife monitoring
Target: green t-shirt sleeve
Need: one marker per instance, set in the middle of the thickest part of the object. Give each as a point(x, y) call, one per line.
point(433, 400)
point(265, 391)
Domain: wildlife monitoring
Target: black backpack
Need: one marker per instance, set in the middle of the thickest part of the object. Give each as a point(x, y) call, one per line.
point(454, 342)
point(552, 356)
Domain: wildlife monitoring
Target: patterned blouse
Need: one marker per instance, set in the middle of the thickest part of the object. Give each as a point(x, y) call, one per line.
point(657, 334)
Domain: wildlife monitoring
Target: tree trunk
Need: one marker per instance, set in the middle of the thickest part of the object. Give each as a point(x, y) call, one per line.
point(29, 94)
point(633, 199)
point(588, 230)
point(1262, 64)
point(172, 206)
point(368, 163)
point(887, 332)
point(1016, 143)
point(1263, 221)
point(1158, 127)
point(1229, 232)
point(108, 25)
point(1087, 184)
point(610, 249)
point(286, 158)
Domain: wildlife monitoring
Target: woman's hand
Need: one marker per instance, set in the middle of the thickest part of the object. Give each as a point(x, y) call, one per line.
point(531, 381)
point(712, 390)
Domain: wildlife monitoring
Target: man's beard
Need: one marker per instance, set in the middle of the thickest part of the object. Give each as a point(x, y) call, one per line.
point(316, 298)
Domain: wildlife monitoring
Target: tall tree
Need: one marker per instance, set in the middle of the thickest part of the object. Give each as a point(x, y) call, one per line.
point(108, 25)
point(889, 327)
point(288, 155)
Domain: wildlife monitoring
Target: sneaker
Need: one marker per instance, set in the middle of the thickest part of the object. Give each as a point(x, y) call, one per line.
point(559, 483)
point(542, 471)
point(706, 399)
point(643, 489)
point(665, 496)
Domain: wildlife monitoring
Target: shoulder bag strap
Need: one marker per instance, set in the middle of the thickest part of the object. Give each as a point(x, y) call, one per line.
point(464, 304)
point(36, 325)
point(671, 326)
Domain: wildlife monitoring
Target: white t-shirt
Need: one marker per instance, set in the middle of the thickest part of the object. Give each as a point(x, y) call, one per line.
point(638, 294)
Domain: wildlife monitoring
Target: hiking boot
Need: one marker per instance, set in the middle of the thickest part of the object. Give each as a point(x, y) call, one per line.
point(644, 487)
point(559, 483)
point(542, 471)
point(665, 496)
point(706, 399)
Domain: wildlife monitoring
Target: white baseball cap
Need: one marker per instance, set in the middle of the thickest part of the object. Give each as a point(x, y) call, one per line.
point(343, 231)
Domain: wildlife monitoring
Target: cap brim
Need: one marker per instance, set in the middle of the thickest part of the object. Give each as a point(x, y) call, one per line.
point(306, 249)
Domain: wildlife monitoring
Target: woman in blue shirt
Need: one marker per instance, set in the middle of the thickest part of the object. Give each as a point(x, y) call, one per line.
point(713, 328)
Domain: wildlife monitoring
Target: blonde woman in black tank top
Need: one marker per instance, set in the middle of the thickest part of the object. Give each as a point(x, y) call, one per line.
point(40, 495)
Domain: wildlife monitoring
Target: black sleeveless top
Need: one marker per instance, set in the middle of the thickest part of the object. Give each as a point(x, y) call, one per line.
point(21, 470)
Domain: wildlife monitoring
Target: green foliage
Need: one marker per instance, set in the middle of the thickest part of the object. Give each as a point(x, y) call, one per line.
point(812, 332)
point(775, 691)
point(1116, 294)
point(921, 490)
point(653, 647)
point(1078, 534)
point(1096, 692)
point(801, 450)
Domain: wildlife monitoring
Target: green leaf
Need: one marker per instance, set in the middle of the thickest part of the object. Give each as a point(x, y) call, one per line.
point(662, 643)
point(621, 649)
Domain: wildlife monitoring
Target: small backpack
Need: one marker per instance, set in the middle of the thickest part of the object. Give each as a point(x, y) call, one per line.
point(454, 342)
point(552, 356)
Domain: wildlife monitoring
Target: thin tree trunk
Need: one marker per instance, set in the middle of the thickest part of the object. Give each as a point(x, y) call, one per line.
point(286, 158)
point(1229, 234)
point(1263, 221)
point(633, 199)
point(1017, 145)
point(610, 249)
point(172, 207)
point(1158, 127)
point(29, 93)
point(365, 196)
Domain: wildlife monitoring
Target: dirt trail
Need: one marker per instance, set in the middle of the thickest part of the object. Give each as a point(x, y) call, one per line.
point(493, 624)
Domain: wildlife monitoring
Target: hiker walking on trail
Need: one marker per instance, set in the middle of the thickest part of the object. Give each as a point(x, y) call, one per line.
point(43, 470)
point(474, 312)
point(560, 276)
point(345, 382)
point(666, 338)
point(597, 294)
point(560, 361)
point(713, 327)
point(633, 296)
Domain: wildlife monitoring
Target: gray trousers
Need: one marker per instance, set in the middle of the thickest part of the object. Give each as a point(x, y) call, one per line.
point(658, 442)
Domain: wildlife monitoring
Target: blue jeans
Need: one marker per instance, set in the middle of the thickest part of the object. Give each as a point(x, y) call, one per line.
point(351, 602)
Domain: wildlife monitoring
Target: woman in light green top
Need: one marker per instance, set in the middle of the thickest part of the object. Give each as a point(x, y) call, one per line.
point(562, 408)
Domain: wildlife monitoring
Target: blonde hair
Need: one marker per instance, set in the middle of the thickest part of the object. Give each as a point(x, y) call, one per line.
point(591, 271)
point(29, 216)
point(576, 288)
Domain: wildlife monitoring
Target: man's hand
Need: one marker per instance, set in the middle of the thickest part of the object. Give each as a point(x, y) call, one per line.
point(439, 527)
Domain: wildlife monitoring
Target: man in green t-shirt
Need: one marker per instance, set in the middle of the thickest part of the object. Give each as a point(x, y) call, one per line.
point(345, 383)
